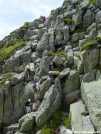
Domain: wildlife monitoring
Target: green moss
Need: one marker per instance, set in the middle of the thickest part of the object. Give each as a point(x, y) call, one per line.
point(58, 69)
point(61, 54)
point(6, 76)
point(74, 66)
point(81, 30)
point(67, 122)
point(68, 21)
point(26, 25)
point(88, 44)
point(52, 123)
point(92, 1)
point(98, 39)
point(50, 53)
point(65, 10)
point(5, 52)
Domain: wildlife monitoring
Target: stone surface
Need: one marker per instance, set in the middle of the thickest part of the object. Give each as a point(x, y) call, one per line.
point(91, 92)
point(26, 123)
point(64, 73)
point(57, 61)
point(90, 59)
point(80, 122)
point(50, 104)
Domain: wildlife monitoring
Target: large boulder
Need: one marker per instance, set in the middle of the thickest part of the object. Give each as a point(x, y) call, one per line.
point(43, 44)
point(90, 59)
point(57, 61)
point(77, 18)
point(49, 105)
point(65, 31)
point(44, 66)
point(91, 92)
point(51, 42)
point(26, 123)
point(84, 5)
point(71, 87)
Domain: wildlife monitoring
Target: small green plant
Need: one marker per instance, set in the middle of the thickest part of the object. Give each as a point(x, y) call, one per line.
point(50, 53)
point(92, 1)
point(88, 44)
point(50, 126)
point(98, 39)
point(68, 21)
point(61, 54)
point(6, 76)
point(67, 122)
point(65, 10)
point(6, 51)
point(74, 66)
point(26, 25)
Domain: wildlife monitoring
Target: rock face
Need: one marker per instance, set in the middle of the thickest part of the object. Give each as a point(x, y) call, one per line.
point(26, 123)
point(80, 122)
point(90, 92)
point(49, 105)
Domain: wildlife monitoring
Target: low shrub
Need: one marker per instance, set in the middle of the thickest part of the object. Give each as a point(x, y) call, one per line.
point(67, 121)
point(88, 44)
point(68, 21)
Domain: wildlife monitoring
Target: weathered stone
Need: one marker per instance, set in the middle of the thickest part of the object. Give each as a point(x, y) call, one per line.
point(80, 122)
point(63, 130)
point(33, 56)
point(77, 18)
point(84, 5)
point(36, 105)
point(87, 18)
point(50, 104)
point(45, 87)
point(98, 3)
point(65, 31)
point(93, 33)
point(41, 32)
point(57, 61)
point(43, 44)
point(44, 66)
point(26, 123)
point(98, 17)
point(64, 73)
point(75, 37)
point(90, 59)
point(59, 38)
point(51, 42)
point(17, 78)
point(91, 92)
point(53, 73)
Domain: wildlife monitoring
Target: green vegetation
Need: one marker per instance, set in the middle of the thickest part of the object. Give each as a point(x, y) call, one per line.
point(6, 76)
point(6, 51)
point(65, 10)
point(88, 44)
point(68, 21)
point(52, 123)
point(80, 30)
point(26, 25)
point(67, 122)
point(58, 69)
point(61, 54)
point(98, 39)
point(50, 53)
point(92, 1)
point(74, 66)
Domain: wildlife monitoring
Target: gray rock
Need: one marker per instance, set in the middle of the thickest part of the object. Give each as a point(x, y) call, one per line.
point(59, 38)
point(67, 48)
point(17, 78)
point(64, 73)
point(91, 27)
point(81, 42)
point(91, 92)
point(58, 86)
point(98, 17)
point(44, 66)
point(57, 61)
point(84, 5)
point(80, 122)
point(26, 123)
point(41, 32)
point(36, 105)
point(70, 57)
point(34, 45)
point(63, 130)
point(41, 26)
point(65, 31)
point(80, 67)
point(50, 104)
point(93, 33)
point(87, 59)
point(87, 18)
point(33, 56)
point(45, 87)
point(51, 42)
point(34, 37)
point(77, 18)
point(42, 45)
point(73, 77)
point(75, 37)
point(98, 3)
point(53, 73)
point(71, 28)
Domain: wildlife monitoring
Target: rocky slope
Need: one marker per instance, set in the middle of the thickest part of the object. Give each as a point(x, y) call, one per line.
point(65, 53)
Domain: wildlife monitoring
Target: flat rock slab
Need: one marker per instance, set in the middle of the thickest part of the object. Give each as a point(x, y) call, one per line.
point(80, 123)
point(91, 94)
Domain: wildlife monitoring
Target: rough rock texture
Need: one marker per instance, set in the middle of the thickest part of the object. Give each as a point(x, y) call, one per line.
point(91, 92)
point(49, 105)
point(79, 121)
point(26, 123)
